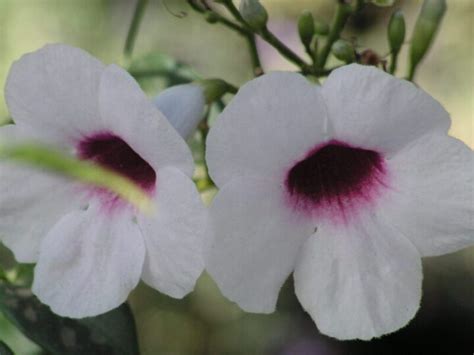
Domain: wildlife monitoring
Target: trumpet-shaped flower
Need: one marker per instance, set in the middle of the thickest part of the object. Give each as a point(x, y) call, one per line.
point(91, 247)
point(346, 186)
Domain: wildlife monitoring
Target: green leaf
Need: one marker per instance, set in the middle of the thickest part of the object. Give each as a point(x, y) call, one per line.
point(111, 333)
point(43, 157)
point(4, 349)
point(383, 3)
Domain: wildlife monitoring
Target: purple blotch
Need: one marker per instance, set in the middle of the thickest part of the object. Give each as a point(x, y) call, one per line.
point(335, 177)
point(112, 152)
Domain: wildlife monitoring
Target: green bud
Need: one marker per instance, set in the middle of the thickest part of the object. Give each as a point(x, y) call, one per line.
point(306, 27)
point(211, 17)
point(426, 27)
point(343, 50)
point(396, 31)
point(254, 14)
point(321, 28)
point(213, 89)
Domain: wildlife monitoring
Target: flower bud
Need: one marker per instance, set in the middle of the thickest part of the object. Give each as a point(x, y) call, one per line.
point(214, 89)
point(306, 27)
point(321, 28)
point(343, 50)
point(183, 106)
point(211, 17)
point(254, 14)
point(396, 31)
point(426, 26)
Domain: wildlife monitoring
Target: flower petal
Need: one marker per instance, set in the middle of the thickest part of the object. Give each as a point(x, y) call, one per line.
point(89, 262)
point(55, 87)
point(31, 200)
point(255, 242)
point(269, 125)
point(433, 197)
point(174, 235)
point(127, 111)
point(359, 281)
point(183, 106)
point(372, 109)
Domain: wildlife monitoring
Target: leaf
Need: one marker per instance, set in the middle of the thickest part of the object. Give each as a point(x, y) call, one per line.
point(111, 333)
point(4, 349)
point(43, 157)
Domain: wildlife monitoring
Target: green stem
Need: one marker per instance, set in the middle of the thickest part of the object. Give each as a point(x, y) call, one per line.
point(229, 5)
point(257, 66)
point(393, 62)
point(249, 36)
point(133, 30)
point(284, 50)
point(411, 73)
point(269, 38)
point(343, 11)
point(254, 57)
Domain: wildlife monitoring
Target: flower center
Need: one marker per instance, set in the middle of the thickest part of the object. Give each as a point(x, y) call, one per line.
point(110, 151)
point(334, 178)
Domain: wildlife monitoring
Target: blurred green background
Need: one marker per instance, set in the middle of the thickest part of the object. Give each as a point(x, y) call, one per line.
point(204, 322)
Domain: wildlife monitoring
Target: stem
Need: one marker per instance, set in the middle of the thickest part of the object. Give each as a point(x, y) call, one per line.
point(229, 5)
point(393, 63)
point(249, 36)
point(133, 30)
point(343, 12)
point(411, 73)
point(257, 66)
point(284, 50)
point(269, 38)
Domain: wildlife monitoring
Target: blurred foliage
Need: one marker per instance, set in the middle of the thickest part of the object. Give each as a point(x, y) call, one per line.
point(171, 49)
point(110, 333)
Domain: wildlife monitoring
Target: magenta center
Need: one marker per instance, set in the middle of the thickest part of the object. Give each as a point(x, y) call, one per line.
point(111, 152)
point(337, 178)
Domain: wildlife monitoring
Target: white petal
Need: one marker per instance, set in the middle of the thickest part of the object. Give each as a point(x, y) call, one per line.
point(31, 201)
point(372, 109)
point(174, 235)
point(255, 242)
point(127, 111)
point(270, 124)
point(359, 281)
point(183, 106)
point(89, 262)
point(54, 89)
point(433, 194)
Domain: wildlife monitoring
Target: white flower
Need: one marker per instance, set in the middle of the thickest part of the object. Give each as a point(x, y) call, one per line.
point(346, 185)
point(91, 247)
